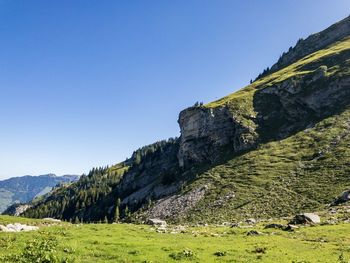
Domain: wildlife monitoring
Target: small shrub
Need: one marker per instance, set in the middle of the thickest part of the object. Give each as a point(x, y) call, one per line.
point(41, 250)
point(260, 250)
point(134, 252)
point(69, 250)
point(185, 254)
point(341, 258)
point(220, 253)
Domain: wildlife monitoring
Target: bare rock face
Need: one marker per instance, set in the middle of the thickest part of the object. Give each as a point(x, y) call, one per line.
point(291, 105)
point(16, 209)
point(176, 205)
point(206, 131)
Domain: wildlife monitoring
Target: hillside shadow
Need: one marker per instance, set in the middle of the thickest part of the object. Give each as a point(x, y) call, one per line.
point(281, 113)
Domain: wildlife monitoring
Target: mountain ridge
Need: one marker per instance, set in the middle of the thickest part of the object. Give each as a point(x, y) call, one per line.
point(260, 151)
point(22, 189)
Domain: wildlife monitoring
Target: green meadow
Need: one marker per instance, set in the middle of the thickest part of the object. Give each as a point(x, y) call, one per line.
point(141, 243)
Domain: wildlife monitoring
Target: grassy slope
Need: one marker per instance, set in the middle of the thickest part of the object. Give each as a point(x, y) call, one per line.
point(281, 177)
point(139, 243)
point(241, 102)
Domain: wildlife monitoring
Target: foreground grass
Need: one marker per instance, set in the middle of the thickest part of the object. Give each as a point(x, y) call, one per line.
point(139, 243)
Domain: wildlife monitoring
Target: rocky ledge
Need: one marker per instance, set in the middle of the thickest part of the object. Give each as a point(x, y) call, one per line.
point(206, 131)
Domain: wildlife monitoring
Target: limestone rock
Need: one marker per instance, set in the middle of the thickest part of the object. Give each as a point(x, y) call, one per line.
point(52, 219)
point(17, 227)
point(306, 218)
point(157, 222)
point(205, 131)
point(16, 209)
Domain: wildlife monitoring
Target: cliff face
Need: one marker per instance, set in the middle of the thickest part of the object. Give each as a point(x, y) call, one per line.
point(294, 104)
point(206, 131)
point(279, 108)
point(151, 179)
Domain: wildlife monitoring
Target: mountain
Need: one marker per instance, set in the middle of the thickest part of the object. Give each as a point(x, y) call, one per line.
point(24, 189)
point(279, 146)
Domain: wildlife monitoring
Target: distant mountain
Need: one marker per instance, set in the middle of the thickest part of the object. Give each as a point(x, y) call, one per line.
point(277, 147)
point(25, 188)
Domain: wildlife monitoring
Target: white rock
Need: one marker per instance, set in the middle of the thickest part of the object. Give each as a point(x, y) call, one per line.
point(52, 219)
point(313, 217)
point(157, 222)
point(306, 218)
point(17, 227)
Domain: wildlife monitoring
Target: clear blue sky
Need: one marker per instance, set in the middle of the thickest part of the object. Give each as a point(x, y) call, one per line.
point(84, 83)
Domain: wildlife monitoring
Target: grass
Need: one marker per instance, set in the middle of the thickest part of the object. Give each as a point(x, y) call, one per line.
point(140, 243)
point(300, 173)
point(292, 70)
point(241, 102)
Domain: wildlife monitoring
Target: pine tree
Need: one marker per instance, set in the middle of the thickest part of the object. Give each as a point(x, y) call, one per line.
point(126, 211)
point(116, 213)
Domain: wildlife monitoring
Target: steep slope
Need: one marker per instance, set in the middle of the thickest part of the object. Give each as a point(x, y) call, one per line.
point(278, 146)
point(23, 189)
point(151, 173)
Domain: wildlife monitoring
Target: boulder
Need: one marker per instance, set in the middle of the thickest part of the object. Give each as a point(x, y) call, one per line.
point(344, 197)
point(157, 222)
point(306, 218)
point(51, 219)
point(4, 229)
point(251, 221)
point(17, 227)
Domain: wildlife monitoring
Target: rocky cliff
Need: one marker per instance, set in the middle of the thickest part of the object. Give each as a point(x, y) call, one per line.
point(207, 132)
point(280, 107)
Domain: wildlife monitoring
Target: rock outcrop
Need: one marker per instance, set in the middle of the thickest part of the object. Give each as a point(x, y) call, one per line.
point(16, 209)
point(291, 105)
point(281, 109)
point(205, 132)
point(176, 205)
